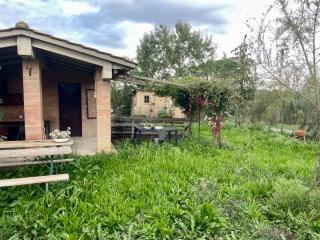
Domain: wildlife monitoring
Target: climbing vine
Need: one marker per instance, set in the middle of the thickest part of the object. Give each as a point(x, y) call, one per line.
point(195, 96)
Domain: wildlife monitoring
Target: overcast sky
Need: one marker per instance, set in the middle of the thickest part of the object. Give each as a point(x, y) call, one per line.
point(116, 26)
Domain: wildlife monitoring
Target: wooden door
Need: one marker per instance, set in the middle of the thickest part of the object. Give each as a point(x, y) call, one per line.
point(70, 107)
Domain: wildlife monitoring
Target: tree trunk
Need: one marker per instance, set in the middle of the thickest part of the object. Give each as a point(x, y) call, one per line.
point(216, 130)
point(318, 162)
point(238, 117)
point(190, 126)
point(199, 123)
point(318, 168)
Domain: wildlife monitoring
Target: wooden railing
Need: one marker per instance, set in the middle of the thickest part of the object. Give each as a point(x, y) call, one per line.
point(123, 127)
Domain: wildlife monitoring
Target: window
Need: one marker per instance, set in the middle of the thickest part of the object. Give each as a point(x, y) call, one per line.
point(146, 99)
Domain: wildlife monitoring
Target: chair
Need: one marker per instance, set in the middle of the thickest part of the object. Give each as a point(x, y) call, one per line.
point(161, 137)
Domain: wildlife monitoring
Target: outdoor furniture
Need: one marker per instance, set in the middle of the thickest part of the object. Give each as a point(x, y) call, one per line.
point(26, 153)
point(161, 137)
point(139, 131)
point(123, 127)
point(300, 134)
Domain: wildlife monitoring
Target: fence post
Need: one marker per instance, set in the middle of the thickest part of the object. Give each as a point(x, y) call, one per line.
point(132, 128)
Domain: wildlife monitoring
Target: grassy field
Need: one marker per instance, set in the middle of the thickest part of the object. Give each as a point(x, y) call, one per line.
point(260, 186)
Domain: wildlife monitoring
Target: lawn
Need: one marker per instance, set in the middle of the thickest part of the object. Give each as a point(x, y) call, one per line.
point(260, 186)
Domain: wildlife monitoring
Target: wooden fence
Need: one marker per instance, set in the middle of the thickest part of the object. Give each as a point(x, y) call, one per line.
point(123, 127)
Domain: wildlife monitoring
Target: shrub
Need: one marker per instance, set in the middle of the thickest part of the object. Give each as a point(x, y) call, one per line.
point(270, 232)
point(228, 124)
point(291, 195)
point(260, 126)
point(164, 114)
point(204, 189)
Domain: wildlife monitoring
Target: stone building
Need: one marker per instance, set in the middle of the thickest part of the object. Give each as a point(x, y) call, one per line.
point(146, 103)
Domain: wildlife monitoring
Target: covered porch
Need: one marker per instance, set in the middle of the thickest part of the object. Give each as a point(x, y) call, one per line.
point(48, 83)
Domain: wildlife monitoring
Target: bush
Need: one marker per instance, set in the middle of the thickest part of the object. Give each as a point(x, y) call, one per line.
point(164, 114)
point(204, 189)
point(228, 124)
point(260, 126)
point(292, 195)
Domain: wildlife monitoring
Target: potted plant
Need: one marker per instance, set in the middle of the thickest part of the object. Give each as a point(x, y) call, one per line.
point(3, 138)
point(61, 136)
point(146, 125)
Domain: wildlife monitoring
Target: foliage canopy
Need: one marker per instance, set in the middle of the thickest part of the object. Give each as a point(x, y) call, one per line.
point(177, 51)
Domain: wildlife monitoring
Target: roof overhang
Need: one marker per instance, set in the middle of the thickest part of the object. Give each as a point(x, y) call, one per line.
point(27, 40)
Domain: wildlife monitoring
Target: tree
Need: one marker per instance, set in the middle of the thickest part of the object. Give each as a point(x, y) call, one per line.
point(244, 81)
point(224, 69)
point(121, 98)
point(178, 51)
point(286, 46)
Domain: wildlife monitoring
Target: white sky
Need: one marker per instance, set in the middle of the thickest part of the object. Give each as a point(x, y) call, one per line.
point(242, 11)
point(237, 15)
point(66, 18)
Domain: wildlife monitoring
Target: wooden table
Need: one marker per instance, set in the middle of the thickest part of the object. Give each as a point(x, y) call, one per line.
point(32, 144)
point(138, 131)
point(27, 153)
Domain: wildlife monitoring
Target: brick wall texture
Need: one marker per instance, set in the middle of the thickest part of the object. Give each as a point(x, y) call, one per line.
point(32, 95)
point(41, 99)
point(103, 102)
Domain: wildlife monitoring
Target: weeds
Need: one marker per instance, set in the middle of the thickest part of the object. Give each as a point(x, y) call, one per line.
point(260, 187)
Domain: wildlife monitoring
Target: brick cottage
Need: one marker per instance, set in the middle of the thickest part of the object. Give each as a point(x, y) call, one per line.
point(49, 83)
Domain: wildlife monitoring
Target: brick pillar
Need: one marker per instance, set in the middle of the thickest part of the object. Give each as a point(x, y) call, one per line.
point(32, 95)
point(103, 105)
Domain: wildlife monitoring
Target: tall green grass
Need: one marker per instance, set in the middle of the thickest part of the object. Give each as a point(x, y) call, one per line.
point(260, 186)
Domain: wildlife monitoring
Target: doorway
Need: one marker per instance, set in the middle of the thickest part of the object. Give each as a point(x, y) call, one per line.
point(70, 107)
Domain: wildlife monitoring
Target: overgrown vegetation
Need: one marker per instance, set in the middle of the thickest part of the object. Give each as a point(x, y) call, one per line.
point(121, 98)
point(198, 96)
point(260, 186)
point(285, 45)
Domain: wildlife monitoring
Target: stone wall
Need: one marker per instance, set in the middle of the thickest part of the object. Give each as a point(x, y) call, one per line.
point(154, 107)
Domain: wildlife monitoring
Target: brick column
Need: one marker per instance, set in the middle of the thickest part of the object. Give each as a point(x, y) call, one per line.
point(103, 105)
point(32, 95)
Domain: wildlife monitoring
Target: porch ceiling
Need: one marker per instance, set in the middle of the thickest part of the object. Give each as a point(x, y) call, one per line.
point(9, 56)
point(48, 58)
